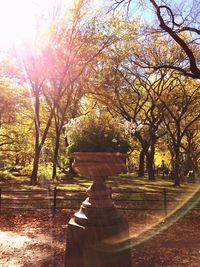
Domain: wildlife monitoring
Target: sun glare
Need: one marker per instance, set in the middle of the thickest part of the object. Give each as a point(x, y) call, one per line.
point(19, 19)
point(16, 20)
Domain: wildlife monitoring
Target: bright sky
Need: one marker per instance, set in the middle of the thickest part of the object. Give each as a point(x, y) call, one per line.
point(18, 18)
point(14, 16)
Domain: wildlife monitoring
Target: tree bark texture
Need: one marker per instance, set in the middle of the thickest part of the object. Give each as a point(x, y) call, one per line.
point(141, 164)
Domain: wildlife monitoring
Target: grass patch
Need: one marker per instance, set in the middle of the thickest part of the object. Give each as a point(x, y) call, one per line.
point(126, 182)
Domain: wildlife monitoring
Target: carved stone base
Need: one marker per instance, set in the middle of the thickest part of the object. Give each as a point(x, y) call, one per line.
point(98, 246)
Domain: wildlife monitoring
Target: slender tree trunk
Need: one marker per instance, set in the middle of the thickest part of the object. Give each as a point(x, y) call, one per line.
point(150, 166)
point(55, 159)
point(35, 166)
point(177, 145)
point(172, 161)
point(37, 140)
point(141, 164)
point(39, 144)
point(16, 161)
point(177, 167)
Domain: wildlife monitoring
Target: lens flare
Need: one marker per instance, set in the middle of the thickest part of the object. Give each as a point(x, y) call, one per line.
point(117, 243)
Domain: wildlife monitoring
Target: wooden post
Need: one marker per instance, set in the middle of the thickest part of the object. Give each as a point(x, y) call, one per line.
point(165, 200)
point(54, 200)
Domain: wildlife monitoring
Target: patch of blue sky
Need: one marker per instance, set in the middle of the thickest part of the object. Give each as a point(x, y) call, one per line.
point(135, 9)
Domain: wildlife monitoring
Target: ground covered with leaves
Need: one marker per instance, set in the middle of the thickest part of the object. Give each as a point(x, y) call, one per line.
point(32, 239)
point(38, 239)
point(177, 246)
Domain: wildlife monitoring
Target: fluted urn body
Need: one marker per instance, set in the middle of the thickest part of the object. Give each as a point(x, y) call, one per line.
point(99, 164)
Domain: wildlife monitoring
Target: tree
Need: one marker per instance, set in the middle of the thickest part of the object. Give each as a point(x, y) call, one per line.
point(35, 78)
point(51, 69)
point(181, 104)
point(8, 102)
point(191, 148)
point(139, 106)
point(181, 24)
point(128, 91)
point(15, 147)
point(68, 108)
point(71, 54)
point(9, 98)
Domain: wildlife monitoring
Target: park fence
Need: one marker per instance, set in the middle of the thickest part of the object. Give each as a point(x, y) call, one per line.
point(57, 199)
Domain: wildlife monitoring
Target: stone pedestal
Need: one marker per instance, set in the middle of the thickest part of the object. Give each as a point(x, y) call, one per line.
point(85, 246)
point(97, 236)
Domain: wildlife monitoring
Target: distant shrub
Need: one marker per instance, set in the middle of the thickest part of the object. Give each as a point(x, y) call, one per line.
point(27, 170)
point(6, 175)
point(44, 171)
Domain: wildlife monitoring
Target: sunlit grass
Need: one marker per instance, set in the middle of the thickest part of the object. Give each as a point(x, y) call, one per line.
point(128, 182)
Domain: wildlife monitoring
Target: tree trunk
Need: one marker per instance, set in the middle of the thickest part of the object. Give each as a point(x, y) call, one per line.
point(55, 159)
point(37, 140)
point(172, 162)
point(177, 145)
point(17, 161)
point(141, 164)
point(177, 167)
point(38, 145)
point(150, 166)
point(35, 166)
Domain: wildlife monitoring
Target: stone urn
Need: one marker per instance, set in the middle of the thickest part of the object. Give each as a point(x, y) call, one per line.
point(98, 166)
point(97, 219)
